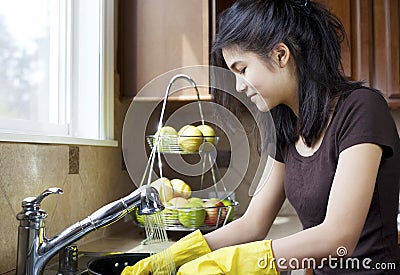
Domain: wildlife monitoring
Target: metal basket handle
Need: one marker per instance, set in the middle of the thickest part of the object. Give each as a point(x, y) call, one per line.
point(150, 163)
point(171, 82)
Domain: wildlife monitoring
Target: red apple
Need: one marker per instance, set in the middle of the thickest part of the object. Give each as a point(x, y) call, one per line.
point(214, 207)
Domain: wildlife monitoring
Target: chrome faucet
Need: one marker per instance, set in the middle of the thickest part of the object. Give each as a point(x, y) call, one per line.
point(34, 250)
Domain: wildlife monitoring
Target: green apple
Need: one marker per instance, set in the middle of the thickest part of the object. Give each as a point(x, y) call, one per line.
point(196, 200)
point(171, 210)
point(139, 218)
point(192, 215)
point(170, 215)
point(208, 132)
point(229, 206)
point(190, 138)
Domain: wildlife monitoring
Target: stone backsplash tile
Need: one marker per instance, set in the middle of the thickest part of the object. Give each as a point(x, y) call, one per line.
point(73, 155)
point(29, 169)
point(8, 235)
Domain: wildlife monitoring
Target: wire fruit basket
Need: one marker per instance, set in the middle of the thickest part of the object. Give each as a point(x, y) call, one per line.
point(171, 143)
point(204, 214)
point(205, 218)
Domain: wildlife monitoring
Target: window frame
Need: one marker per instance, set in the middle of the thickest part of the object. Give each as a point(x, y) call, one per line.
point(106, 110)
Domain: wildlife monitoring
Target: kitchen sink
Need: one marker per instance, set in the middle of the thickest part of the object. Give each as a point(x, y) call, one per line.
point(85, 257)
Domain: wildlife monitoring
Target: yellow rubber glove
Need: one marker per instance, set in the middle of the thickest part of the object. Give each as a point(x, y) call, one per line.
point(186, 249)
point(250, 258)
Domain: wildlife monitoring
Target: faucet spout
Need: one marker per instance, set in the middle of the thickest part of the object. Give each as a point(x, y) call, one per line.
point(34, 250)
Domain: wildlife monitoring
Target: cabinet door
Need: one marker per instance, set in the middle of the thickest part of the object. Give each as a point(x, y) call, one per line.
point(356, 17)
point(386, 46)
point(156, 36)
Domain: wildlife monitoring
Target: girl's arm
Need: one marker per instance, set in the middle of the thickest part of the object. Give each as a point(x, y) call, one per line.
point(260, 214)
point(347, 209)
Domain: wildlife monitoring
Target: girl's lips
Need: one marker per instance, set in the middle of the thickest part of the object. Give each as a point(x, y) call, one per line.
point(250, 96)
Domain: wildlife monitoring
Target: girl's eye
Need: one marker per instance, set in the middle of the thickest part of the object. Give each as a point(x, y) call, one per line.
point(242, 71)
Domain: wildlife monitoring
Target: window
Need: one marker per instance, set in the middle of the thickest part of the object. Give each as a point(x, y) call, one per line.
point(56, 80)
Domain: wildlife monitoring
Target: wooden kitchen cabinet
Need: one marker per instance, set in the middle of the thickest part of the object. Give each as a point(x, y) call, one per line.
point(156, 36)
point(372, 54)
point(386, 48)
point(357, 51)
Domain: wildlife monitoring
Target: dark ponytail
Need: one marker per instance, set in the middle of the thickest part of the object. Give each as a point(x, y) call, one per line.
point(313, 36)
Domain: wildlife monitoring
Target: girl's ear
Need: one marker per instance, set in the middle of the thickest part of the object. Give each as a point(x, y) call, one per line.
point(281, 54)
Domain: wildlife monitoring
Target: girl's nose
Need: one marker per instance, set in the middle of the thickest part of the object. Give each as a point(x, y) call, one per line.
point(240, 84)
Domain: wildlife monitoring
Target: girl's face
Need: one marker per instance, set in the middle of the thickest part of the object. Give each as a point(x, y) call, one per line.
point(267, 85)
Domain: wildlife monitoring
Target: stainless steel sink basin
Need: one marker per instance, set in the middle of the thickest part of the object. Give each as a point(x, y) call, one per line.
point(84, 258)
point(113, 264)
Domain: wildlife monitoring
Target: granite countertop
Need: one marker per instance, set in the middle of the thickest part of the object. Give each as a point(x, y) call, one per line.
point(119, 242)
point(129, 239)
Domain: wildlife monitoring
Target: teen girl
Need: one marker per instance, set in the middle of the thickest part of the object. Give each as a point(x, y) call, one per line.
point(337, 158)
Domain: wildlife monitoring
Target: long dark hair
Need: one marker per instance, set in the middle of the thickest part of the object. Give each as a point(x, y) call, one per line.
point(313, 36)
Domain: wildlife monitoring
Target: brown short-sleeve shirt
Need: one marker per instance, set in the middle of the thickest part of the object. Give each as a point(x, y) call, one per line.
point(360, 117)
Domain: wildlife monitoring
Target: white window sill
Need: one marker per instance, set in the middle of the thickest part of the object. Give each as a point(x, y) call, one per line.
point(5, 137)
